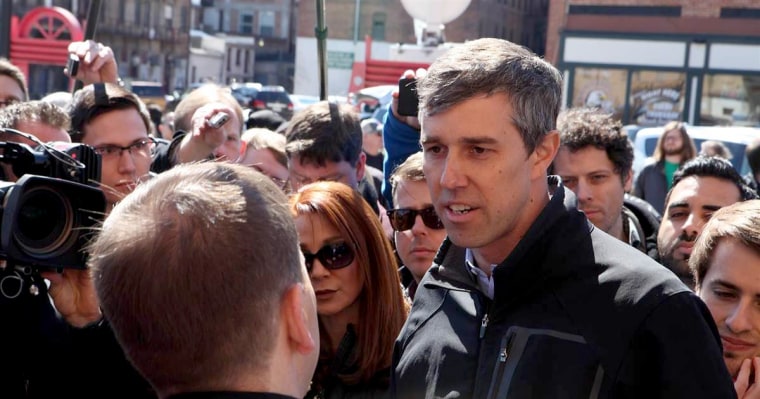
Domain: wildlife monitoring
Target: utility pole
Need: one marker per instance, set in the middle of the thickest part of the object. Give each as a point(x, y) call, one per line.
point(6, 11)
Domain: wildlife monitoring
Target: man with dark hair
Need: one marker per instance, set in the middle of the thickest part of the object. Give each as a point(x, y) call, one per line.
point(116, 123)
point(526, 299)
point(674, 148)
point(12, 84)
point(324, 142)
point(701, 187)
point(726, 267)
point(594, 161)
point(245, 324)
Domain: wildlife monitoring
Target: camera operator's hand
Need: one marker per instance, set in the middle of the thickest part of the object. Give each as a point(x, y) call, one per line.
point(73, 293)
point(97, 63)
point(201, 142)
point(412, 121)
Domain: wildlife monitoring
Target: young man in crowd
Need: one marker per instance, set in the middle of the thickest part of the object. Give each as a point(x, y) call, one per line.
point(13, 87)
point(726, 267)
point(324, 142)
point(524, 298)
point(674, 148)
point(594, 161)
point(244, 327)
point(417, 230)
point(701, 187)
point(114, 121)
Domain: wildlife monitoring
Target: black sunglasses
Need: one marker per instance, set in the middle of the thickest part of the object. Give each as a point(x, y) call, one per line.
point(331, 256)
point(403, 219)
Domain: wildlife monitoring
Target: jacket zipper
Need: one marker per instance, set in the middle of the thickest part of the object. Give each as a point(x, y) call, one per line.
point(483, 325)
point(501, 363)
point(484, 321)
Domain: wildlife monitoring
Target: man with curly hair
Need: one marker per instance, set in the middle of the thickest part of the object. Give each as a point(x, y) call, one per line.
point(594, 161)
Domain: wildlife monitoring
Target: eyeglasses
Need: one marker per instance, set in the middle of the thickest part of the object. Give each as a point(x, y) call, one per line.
point(331, 256)
point(143, 148)
point(403, 219)
point(9, 101)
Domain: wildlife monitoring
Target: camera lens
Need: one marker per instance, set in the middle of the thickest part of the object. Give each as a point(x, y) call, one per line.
point(45, 220)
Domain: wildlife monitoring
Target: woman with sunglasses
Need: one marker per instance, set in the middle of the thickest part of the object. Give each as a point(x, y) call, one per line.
point(360, 302)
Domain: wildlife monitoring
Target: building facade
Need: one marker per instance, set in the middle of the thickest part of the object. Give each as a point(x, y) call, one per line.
point(258, 35)
point(389, 26)
point(149, 38)
point(652, 61)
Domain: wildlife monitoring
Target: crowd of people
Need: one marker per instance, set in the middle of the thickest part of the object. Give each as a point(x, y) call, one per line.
point(494, 246)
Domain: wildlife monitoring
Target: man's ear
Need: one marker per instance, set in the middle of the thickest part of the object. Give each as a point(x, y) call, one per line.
point(361, 166)
point(544, 153)
point(294, 311)
point(628, 181)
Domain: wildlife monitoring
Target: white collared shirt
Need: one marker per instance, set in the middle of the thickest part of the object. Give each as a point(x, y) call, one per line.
point(485, 282)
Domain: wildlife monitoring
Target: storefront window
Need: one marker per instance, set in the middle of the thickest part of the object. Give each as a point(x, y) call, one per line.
point(656, 97)
point(730, 100)
point(600, 88)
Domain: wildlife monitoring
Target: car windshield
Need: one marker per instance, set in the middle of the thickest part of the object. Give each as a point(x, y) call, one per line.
point(280, 96)
point(148, 91)
point(246, 91)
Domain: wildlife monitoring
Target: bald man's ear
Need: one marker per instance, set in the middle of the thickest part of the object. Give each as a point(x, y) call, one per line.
point(299, 314)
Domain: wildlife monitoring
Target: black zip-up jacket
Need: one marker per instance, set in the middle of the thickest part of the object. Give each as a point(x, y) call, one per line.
point(576, 314)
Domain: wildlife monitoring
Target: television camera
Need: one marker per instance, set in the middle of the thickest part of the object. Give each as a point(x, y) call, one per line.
point(49, 214)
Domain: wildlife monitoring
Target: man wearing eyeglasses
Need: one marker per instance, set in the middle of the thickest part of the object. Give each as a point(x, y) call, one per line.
point(418, 232)
point(324, 143)
point(116, 124)
point(12, 84)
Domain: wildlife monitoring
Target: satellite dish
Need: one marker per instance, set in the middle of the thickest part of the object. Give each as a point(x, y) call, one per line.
point(435, 12)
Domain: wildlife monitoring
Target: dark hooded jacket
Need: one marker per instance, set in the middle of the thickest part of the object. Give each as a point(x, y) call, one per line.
point(576, 313)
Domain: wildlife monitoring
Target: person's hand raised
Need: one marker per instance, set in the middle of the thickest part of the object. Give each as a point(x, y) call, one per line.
point(412, 121)
point(97, 63)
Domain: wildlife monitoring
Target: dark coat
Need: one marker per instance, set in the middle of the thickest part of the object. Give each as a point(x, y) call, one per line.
point(576, 314)
point(652, 186)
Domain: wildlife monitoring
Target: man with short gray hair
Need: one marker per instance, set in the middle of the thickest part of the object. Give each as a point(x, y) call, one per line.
point(526, 299)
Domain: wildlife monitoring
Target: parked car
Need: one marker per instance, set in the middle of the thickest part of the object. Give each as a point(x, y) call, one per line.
point(301, 101)
point(369, 99)
point(244, 93)
point(258, 97)
point(149, 92)
point(736, 138)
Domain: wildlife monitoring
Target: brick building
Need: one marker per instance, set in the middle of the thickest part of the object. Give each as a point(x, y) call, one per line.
point(651, 61)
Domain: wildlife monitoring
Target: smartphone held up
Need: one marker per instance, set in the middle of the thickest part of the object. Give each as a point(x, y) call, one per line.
point(218, 120)
point(408, 101)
